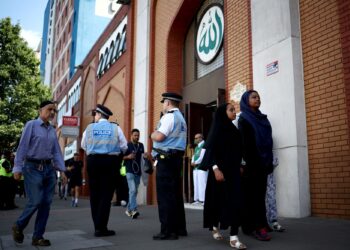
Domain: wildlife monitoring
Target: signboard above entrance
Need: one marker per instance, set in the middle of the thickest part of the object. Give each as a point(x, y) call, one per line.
point(210, 33)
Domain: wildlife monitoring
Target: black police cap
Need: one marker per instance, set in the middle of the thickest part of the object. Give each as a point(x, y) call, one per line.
point(171, 96)
point(103, 110)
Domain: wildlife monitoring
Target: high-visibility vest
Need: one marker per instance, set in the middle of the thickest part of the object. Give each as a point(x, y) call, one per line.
point(3, 170)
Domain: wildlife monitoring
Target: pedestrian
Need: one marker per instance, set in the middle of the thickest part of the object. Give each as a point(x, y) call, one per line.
point(199, 175)
point(38, 154)
point(76, 178)
point(7, 199)
point(103, 143)
point(271, 204)
point(223, 196)
point(169, 143)
point(256, 134)
point(132, 160)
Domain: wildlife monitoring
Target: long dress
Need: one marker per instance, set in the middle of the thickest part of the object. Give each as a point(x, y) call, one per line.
point(223, 200)
point(254, 181)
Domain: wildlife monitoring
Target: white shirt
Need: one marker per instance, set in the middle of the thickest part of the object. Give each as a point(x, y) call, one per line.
point(167, 123)
point(123, 144)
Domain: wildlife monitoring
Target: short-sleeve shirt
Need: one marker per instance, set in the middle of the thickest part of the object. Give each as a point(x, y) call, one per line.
point(134, 166)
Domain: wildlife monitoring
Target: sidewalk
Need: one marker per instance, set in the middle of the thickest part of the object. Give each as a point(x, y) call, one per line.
point(72, 228)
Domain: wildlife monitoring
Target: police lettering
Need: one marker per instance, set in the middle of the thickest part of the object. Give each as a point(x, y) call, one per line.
point(102, 132)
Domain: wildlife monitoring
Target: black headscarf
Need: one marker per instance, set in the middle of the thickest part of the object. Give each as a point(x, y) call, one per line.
point(261, 126)
point(222, 135)
point(220, 125)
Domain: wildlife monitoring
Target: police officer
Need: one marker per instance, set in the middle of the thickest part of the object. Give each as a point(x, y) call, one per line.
point(7, 183)
point(103, 143)
point(169, 142)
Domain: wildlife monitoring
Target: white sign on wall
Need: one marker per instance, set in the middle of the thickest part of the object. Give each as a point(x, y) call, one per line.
point(210, 34)
point(272, 68)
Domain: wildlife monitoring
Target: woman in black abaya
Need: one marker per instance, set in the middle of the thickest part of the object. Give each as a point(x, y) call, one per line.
point(223, 201)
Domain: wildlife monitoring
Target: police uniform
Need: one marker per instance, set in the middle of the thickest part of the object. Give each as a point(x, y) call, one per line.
point(169, 154)
point(103, 143)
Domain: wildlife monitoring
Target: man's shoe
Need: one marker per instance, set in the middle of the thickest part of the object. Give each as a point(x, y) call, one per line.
point(17, 234)
point(134, 214)
point(182, 232)
point(162, 236)
point(103, 233)
point(41, 242)
point(128, 213)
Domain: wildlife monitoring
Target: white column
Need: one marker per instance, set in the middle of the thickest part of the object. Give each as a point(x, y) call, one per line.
point(141, 81)
point(276, 37)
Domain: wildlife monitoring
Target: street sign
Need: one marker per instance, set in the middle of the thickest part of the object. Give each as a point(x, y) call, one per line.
point(70, 121)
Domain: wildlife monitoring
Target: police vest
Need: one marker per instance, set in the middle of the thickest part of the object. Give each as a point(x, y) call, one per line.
point(177, 137)
point(102, 138)
point(3, 170)
point(197, 153)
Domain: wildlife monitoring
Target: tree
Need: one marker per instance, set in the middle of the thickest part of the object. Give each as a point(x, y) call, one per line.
point(21, 89)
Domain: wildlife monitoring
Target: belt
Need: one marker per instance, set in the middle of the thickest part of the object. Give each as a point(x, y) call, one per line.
point(170, 153)
point(37, 161)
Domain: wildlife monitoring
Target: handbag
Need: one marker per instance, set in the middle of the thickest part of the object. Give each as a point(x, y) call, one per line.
point(146, 165)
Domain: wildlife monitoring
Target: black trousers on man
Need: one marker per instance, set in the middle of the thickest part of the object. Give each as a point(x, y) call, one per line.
point(169, 195)
point(102, 170)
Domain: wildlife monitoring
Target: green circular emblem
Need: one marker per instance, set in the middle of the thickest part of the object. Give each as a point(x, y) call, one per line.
point(210, 33)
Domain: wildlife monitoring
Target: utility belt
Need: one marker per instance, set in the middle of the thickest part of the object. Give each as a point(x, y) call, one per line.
point(171, 153)
point(41, 162)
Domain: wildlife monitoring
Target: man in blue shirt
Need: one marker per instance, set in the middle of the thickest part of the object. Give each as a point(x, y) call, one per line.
point(38, 154)
point(169, 143)
point(104, 143)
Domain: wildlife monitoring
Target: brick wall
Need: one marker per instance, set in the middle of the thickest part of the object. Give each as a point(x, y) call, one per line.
point(238, 45)
point(327, 107)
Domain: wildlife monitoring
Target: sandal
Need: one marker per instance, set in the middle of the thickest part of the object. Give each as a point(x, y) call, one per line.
point(216, 234)
point(235, 243)
point(277, 227)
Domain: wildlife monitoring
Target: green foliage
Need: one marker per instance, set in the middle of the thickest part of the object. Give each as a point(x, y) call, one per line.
point(21, 89)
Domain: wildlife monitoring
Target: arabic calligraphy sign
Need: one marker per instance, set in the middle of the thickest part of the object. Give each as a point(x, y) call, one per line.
point(210, 33)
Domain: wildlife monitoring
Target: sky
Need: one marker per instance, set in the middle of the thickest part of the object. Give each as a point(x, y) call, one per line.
point(29, 14)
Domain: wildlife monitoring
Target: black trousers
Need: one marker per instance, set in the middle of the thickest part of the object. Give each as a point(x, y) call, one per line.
point(102, 170)
point(169, 195)
point(254, 192)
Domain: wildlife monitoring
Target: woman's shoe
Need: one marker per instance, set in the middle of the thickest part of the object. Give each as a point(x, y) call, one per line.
point(277, 227)
point(216, 234)
point(235, 243)
point(262, 235)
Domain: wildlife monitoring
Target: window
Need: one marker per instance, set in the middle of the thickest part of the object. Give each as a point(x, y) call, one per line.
point(100, 64)
point(115, 52)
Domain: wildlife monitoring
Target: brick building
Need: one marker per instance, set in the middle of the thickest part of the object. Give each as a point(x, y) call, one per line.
point(294, 53)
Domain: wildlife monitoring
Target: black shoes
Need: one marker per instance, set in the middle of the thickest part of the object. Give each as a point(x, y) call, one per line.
point(103, 233)
point(17, 234)
point(41, 242)
point(182, 232)
point(162, 236)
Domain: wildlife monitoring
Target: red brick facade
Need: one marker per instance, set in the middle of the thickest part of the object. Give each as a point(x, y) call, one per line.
point(325, 46)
